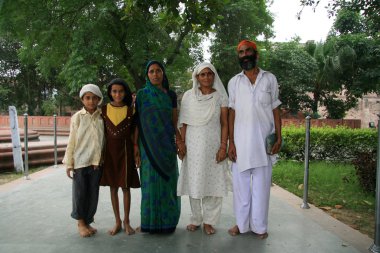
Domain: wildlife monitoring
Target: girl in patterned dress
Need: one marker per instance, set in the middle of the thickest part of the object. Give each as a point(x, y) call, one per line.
point(119, 165)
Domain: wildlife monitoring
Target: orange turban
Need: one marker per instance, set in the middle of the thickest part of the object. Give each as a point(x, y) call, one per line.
point(248, 43)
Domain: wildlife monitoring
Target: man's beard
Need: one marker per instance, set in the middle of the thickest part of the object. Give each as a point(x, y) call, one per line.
point(248, 62)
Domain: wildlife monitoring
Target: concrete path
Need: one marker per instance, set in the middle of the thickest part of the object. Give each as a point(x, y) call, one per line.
point(35, 217)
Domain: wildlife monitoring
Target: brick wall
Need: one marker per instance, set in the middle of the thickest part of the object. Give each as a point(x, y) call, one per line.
point(36, 122)
point(63, 122)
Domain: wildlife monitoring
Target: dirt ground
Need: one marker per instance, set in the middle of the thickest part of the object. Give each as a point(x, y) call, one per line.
point(364, 222)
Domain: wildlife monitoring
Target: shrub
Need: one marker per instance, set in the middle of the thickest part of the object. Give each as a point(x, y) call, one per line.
point(365, 167)
point(327, 143)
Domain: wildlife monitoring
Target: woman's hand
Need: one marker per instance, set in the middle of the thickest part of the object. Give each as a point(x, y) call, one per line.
point(221, 155)
point(181, 149)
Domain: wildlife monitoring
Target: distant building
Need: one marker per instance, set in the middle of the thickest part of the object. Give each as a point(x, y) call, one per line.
point(367, 110)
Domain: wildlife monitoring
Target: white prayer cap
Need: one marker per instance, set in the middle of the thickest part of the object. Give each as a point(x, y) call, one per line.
point(93, 89)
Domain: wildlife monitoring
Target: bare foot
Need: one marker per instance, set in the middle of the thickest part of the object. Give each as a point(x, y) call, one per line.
point(138, 230)
point(234, 230)
point(192, 227)
point(116, 229)
point(208, 229)
point(262, 236)
point(92, 229)
point(83, 230)
point(128, 229)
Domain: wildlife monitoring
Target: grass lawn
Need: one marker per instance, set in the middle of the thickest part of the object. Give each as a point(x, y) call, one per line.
point(334, 188)
point(6, 177)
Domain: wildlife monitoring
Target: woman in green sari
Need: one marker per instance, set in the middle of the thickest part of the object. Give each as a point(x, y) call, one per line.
point(156, 152)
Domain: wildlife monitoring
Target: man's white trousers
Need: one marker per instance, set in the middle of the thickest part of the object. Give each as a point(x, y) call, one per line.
point(251, 191)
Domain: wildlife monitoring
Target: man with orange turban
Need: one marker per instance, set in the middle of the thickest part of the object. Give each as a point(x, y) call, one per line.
point(253, 115)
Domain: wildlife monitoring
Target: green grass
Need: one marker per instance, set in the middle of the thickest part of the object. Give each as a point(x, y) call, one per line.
point(6, 177)
point(330, 184)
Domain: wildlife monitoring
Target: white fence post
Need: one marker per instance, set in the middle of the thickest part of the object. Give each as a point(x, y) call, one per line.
point(16, 144)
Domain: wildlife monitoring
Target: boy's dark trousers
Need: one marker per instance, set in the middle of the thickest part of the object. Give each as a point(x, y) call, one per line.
point(85, 193)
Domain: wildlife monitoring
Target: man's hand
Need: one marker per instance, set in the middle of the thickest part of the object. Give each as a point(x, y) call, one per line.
point(276, 147)
point(232, 151)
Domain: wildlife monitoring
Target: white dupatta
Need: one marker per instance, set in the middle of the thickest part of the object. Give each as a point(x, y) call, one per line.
point(196, 108)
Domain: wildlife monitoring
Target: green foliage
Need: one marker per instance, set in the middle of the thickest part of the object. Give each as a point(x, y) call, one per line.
point(49, 107)
point(242, 19)
point(77, 42)
point(348, 21)
point(369, 9)
point(326, 143)
point(365, 167)
point(295, 70)
point(349, 66)
point(348, 62)
point(359, 63)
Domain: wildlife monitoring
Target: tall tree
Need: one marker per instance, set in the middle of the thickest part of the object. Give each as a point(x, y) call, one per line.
point(242, 19)
point(92, 41)
point(20, 84)
point(370, 10)
point(353, 55)
point(296, 71)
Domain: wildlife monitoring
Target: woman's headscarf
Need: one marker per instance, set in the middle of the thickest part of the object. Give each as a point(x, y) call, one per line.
point(196, 108)
point(156, 129)
point(165, 82)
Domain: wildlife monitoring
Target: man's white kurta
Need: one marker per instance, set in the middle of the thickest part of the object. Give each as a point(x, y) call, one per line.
point(253, 105)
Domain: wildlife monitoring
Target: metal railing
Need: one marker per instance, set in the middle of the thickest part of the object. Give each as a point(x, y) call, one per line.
point(26, 146)
point(304, 204)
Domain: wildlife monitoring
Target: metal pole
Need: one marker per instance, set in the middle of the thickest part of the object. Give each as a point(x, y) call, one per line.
point(55, 140)
point(305, 205)
point(376, 246)
point(26, 171)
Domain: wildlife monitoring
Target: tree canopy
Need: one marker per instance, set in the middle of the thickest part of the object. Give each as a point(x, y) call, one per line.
point(368, 8)
point(90, 41)
point(71, 43)
point(49, 49)
point(242, 19)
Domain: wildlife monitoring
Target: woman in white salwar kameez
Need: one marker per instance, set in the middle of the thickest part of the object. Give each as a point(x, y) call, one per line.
point(204, 175)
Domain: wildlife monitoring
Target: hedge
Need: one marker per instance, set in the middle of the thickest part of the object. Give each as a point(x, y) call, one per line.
point(327, 143)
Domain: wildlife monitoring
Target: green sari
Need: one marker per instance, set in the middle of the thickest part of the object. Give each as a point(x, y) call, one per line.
point(160, 206)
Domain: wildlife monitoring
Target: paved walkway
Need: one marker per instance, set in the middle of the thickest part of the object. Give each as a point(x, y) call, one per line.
point(35, 217)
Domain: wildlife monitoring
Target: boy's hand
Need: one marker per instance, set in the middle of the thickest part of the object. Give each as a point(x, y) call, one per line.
point(68, 172)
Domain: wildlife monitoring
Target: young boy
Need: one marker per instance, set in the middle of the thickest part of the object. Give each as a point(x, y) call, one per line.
point(82, 158)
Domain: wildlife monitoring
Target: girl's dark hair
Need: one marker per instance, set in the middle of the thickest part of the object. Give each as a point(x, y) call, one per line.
point(128, 94)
